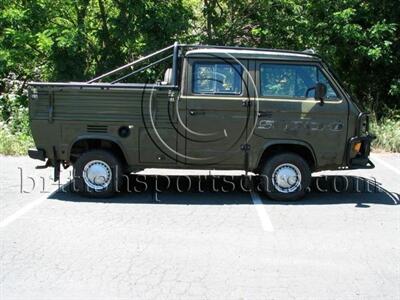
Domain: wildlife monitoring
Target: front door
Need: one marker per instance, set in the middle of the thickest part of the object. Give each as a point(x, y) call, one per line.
point(289, 111)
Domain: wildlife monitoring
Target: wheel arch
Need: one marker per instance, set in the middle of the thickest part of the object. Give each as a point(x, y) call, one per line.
point(278, 146)
point(84, 143)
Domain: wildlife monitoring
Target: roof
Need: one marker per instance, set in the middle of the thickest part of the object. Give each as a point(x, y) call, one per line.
point(249, 53)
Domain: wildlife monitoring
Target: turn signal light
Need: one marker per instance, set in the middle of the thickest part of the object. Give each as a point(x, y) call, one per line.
point(357, 147)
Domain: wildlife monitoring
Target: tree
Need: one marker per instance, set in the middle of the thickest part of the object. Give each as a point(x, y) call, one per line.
point(76, 39)
point(73, 40)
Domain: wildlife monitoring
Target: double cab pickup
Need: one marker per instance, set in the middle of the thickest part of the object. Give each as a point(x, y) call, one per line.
point(276, 113)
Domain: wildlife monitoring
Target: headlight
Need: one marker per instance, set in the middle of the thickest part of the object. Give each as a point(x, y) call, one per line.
point(357, 147)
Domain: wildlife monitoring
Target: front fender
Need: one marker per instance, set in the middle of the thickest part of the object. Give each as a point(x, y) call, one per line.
point(255, 162)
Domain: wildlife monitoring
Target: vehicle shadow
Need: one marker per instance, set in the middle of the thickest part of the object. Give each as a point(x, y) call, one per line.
point(339, 189)
point(232, 190)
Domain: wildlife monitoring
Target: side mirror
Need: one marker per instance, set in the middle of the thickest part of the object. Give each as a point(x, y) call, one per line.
point(320, 92)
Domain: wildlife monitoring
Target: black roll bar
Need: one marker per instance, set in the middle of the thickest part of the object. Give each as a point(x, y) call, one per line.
point(175, 64)
point(175, 55)
point(130, 64)
point(141, 69)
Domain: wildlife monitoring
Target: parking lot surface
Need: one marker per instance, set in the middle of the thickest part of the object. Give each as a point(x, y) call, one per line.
point(341, 242)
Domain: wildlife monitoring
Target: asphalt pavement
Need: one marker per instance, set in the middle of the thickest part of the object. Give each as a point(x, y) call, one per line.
point(341, 242)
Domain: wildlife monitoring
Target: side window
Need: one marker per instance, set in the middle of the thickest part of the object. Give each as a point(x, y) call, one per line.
point(217, 78)
point(292, 81)
point(330, 92)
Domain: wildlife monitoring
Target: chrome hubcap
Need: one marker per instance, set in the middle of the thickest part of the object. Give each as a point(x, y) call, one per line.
point(286, 178)
point(97, 174)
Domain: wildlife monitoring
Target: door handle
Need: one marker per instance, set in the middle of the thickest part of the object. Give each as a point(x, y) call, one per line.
point(193, 112)
point(263, 113)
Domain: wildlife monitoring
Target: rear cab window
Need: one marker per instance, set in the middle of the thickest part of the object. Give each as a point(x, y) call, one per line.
point(284, 80)
point(216, 78)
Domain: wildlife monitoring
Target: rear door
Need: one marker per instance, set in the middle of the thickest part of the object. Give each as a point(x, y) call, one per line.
point(158, 141)
point(217, 115)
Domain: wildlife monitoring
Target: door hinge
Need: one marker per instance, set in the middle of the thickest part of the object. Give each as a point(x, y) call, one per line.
point(171, 96)
point(51, 106)
point(246, 103)
point(245, 147)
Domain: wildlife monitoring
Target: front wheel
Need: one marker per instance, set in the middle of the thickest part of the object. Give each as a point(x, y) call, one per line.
point(97, 173)
point(285, 176)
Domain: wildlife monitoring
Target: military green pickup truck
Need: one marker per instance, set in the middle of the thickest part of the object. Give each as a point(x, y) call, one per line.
point(279, 114)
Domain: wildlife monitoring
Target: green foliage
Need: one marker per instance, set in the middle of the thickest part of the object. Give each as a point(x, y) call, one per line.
point(14, 144)
point(72, 40)
point(388, 134)
point(386, 130)
point(76, 39)
point(15, 135)
point(13, 105)
point(360, 39)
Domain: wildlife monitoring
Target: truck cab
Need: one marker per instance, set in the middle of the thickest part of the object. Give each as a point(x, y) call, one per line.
point(276, 113)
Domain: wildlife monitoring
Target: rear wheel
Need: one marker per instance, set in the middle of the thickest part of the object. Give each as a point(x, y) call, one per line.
point(285, 176)
point(97, 173)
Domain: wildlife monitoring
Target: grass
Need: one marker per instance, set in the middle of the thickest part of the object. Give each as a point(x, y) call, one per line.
point(14, 144)
point(387, 133)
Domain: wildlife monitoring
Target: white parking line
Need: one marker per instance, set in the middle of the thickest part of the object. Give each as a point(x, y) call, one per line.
point(382, 162)
point(262, 213)
point(7, 221)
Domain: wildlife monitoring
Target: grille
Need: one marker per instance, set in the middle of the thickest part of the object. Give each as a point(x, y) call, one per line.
point(97, 128)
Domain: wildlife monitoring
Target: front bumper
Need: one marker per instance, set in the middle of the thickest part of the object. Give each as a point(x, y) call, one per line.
point(360, 159)
point(37, 154)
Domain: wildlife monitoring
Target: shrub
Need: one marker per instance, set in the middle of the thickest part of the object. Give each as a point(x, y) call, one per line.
point(387, 133)
point(14, 144)
point(15, 137)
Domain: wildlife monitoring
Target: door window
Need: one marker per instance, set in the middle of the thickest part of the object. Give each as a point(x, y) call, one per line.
point(292, 81)
point(217, 78)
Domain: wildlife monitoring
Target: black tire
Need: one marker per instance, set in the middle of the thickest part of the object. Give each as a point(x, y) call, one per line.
point(294, 164)
point(107, 161)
